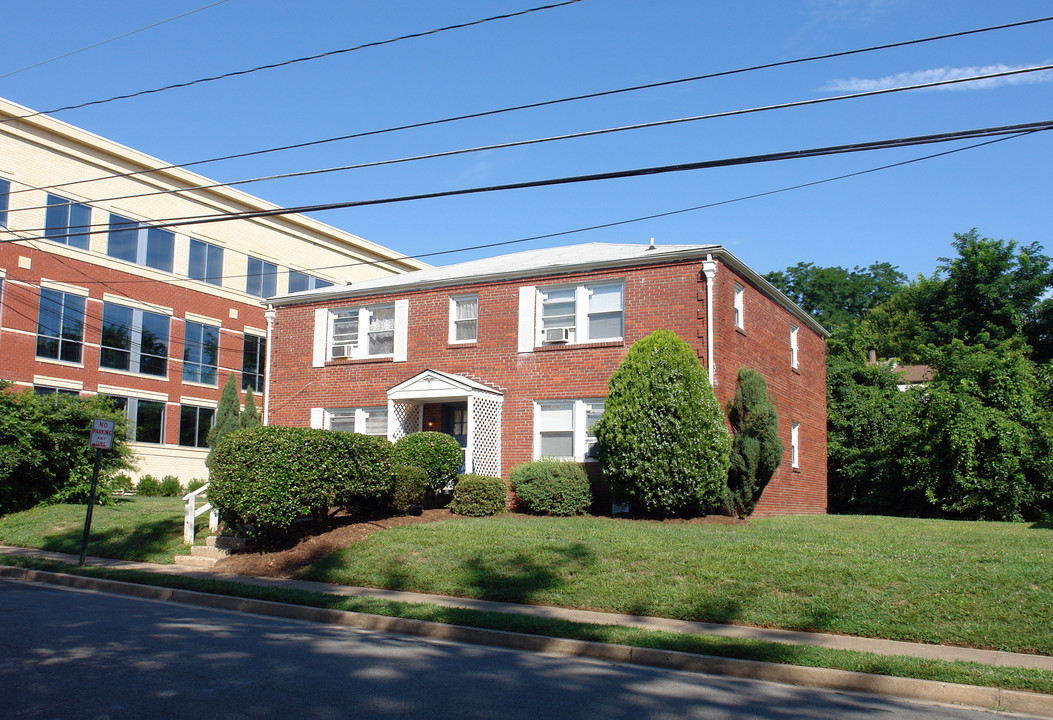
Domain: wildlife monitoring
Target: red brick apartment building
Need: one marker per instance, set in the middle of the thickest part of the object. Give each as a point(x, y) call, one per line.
point(98, 296)
point(512, 354)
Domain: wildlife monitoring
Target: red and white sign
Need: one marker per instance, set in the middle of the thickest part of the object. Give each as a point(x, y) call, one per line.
point(102, 434)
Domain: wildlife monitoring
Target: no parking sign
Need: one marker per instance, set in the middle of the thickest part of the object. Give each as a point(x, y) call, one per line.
point(102, 434)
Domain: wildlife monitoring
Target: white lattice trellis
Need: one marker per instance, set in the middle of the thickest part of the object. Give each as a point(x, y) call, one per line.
point(407, 418)
point(486, 456)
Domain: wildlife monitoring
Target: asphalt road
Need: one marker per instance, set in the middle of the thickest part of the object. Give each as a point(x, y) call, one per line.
point(76, 654)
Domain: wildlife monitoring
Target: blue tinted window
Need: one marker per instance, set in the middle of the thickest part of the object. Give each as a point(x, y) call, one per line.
point(123, 240)
point(153, 354)
point(115, 350)
point(200, 353)
point(60, 326)
point(67, 222)
point(149, 246)
point(206, 262)
point(5, 194)
point(299, 281)
point(253, 362)
point(160, 249)
point(262, 278)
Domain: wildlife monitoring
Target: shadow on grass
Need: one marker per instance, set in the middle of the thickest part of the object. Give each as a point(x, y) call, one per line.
point(147, 541)
point(1042, 526)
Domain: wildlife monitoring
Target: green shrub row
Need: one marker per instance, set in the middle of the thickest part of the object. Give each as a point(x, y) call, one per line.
point(552, 487)
point(479, 496)
point(264, 478)
point(168, 486)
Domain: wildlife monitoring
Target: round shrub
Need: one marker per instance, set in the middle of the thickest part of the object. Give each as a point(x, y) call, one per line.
point(479, 496)
point(148, 486)
point(194, 484)
point(437, 453)
point(552, 487)
point(264, 478)
point(662, 438)
point(411, 482)
point(170, 486)
point(121, 483)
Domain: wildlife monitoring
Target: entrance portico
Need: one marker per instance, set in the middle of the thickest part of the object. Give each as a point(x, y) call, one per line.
point(479, 426)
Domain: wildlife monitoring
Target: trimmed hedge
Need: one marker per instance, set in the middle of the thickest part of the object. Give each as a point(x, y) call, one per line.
point(437, 453)
point(411, 482)
point(479, 496)
point(552, 487)
point(264, 478)
point(148, 486)
point(171, 487)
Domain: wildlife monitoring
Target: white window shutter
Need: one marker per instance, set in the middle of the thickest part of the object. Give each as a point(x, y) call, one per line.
point(321, 334)
point(401, 329)
point(318, 418)
point(527, 326)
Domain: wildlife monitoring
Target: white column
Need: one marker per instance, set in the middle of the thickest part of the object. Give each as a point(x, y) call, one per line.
point(709, 267)
point(269, 314)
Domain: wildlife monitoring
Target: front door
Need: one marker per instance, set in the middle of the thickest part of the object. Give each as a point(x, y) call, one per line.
point(455, 422)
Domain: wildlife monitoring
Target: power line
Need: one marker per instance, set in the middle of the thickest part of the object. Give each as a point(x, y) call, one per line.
point(1023, 128)
point(567, 136)
point(110, 40)
point(616, 223)
point(545, 103)
point(308, 58)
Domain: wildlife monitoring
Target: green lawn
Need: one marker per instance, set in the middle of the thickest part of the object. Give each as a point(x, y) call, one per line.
point(149, 529)
point(978, 584)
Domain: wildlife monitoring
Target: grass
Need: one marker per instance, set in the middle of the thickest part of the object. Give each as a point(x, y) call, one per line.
point(897, 666)
point(987, 585)
point(147, 529)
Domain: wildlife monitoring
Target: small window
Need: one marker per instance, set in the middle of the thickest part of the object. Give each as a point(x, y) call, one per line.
point(140, 244)
point(464, 319)
point(5, 200)
point(206, 262)
point(564, 428)
point(60, 326)
point(44, 390)
point(795, 445)
point(200, 353)
point(261, 278)
point(739, 292)
point(253, 362)
point(194, 424)
point(365, 421)
point(300, 281)
point(66, 222)
point(793, 346)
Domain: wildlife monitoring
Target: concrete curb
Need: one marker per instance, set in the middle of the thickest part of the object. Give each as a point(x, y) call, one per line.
point(926, 690)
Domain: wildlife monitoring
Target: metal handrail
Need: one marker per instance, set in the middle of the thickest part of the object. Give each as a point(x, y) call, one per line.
point(190, 513)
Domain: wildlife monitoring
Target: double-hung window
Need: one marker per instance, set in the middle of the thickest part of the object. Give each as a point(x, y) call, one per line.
point(134, 340)
point(793, 346)
point(206, 262)
point(580, 314)
point(464, 319)
point(194, 424)
point(67, 222)
point(739, 306)
point(140, 244)
point(253, 362)
point(363, 332)
point(300, 281)
point(795, 445)
point(365, 421)
point(200, 353)
point(60, 326)
point(261, 278)
point(564, 428)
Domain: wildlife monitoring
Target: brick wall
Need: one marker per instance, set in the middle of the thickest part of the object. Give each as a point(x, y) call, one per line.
point(670, 296)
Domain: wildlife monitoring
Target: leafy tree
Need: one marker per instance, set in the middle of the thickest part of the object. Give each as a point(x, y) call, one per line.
point(250, 417)
point(45, 454)
point(227, 413)
point(756, 451)
point(662, 438)
point(836, 296)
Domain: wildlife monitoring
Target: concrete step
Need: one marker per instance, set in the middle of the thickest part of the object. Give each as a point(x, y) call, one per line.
point(225, 542)
point(203, 551)
point(195, 561)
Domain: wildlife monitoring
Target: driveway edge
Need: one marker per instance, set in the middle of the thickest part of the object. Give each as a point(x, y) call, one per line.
point(928, 690)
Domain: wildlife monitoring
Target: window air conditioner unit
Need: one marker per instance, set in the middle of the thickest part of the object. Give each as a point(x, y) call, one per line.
point(341, 351)
point(558, 335)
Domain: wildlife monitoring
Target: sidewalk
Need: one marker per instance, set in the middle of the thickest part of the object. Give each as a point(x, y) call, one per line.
point(788, 637)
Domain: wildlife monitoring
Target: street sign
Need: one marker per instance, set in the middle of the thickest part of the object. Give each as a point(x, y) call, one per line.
point(102, 434)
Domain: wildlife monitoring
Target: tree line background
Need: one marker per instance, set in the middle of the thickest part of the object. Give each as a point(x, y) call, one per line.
point(975, 441)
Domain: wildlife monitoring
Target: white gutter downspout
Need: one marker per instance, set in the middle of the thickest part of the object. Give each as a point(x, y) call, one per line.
point(269, 314)
point(709, 268)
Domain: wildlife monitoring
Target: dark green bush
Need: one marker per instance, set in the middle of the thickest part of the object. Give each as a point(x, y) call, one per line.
point(148, 486)
point(662, 439)
point(171, 487)
point(479, 496)
point(411, 482)
point(756, 451)
point(552, 487)
point(77, 489)
point(194, 484)
point(264, 478)
point(44, 446)
point(437, 453)
point(121, 483)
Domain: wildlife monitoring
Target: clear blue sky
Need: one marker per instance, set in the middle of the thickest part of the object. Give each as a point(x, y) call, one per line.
point(904, 215)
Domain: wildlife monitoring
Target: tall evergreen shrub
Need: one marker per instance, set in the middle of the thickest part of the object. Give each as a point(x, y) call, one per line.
point(662, 439)
point(227, 412)
point(756, 451)
point(250, 416)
